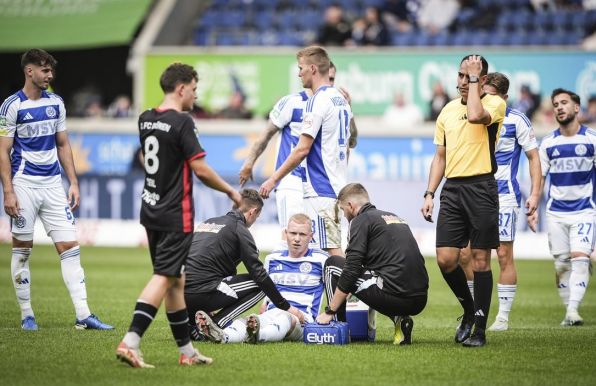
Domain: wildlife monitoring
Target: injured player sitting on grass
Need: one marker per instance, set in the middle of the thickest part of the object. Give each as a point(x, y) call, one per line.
point(298, 274)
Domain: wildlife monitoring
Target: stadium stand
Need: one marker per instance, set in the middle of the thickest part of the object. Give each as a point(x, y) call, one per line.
point(481, 22)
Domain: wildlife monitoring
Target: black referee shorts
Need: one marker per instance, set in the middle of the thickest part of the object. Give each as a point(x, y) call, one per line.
point(169, 251)
point(469, 213)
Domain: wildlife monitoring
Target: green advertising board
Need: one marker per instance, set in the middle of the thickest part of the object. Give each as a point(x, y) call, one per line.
point(52, 24)
point(372, 77)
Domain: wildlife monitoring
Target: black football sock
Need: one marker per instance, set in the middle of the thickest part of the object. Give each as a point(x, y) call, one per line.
point(459, 285)
point(179, 325)
point(142, 317)
point(483, 290)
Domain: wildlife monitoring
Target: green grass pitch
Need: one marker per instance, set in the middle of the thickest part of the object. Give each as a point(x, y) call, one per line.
point(536, 350)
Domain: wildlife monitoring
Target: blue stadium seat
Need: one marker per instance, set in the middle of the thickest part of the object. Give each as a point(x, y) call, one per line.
point(403, 39)
point(224, 39)
point(200, 37)
point(290, 38)
point(263, 20)
point(462, 39)
point(309, 20)
point(581, 20)
point(537, 39)
point(211, 18)
point(479, 38)
point(499, 39)
point(442, 39)
point(518, 39)
point(422, 39)
point(556, 39)
point(234, 19)
point(287, 19)
point(544, 20)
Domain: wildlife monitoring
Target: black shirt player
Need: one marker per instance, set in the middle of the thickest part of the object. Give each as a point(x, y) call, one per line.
point(383, 266)
point(214, 292)
point(171, 153)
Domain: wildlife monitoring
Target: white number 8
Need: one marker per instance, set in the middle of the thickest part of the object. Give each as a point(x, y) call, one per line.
point(151, 160)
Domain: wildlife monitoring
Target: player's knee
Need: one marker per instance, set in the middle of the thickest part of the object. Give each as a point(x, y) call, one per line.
point(505, 258)
point(22, 240)
point(292, 320)
point(335, 261)
point(447, 263)
point(562, 263)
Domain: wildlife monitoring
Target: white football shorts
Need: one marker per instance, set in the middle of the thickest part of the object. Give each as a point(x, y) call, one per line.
point(326, 225)
point(508, 222)
point(573, 233)
point(49, 204)
point(289, 202)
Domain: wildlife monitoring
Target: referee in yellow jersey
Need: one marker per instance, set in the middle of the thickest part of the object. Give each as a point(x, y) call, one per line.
point(466, 133)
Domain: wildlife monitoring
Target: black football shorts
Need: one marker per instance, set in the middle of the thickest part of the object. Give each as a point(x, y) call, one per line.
point(169, 251)
point(469, 212)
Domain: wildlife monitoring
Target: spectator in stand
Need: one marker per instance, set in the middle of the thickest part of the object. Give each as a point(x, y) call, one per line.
point(335, 31)
point(358, 33)
point(376, 33)
point(528, 102)
point(200, 112)
point(235, 108)
point(400, 15)
point(437, 101)
point(93, 109)
point(121, 107)
point(543, 5)
point(402, 114)
point(435, 16)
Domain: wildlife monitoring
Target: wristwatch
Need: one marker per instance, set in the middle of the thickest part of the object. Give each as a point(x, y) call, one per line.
point(329, 311)
point(432, 194)
point(473, 79)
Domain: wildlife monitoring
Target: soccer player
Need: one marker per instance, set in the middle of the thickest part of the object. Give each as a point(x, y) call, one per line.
point(171, 152)
point(33, 145)
point(286, 118)
point(568, 157)
point(297, 272)
point(323, 143)
point(213, 286)
point(383, 266)
point(466, 135)
point(516, 135)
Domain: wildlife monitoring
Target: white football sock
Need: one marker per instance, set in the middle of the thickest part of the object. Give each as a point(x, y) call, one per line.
point(563, 270)
point(506, 293)
point(187, 349)
point(235, 332)
point(21, 279)
point(471, 287)
point(578, 281)
point(132, 339)
point(275, 329)
point(74, 278)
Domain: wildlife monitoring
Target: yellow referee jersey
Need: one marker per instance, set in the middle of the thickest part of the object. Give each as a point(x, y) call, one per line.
point(470, 147)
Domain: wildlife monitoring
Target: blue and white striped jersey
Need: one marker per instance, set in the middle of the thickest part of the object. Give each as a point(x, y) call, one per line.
point(516, 135)
point(569, 161)
point(299, 280)
point(287, 115)
point(33, 124)
point(327, 120)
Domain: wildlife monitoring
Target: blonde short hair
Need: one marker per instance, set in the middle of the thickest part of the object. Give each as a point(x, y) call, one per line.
point(300, 218)
point(316, 55)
